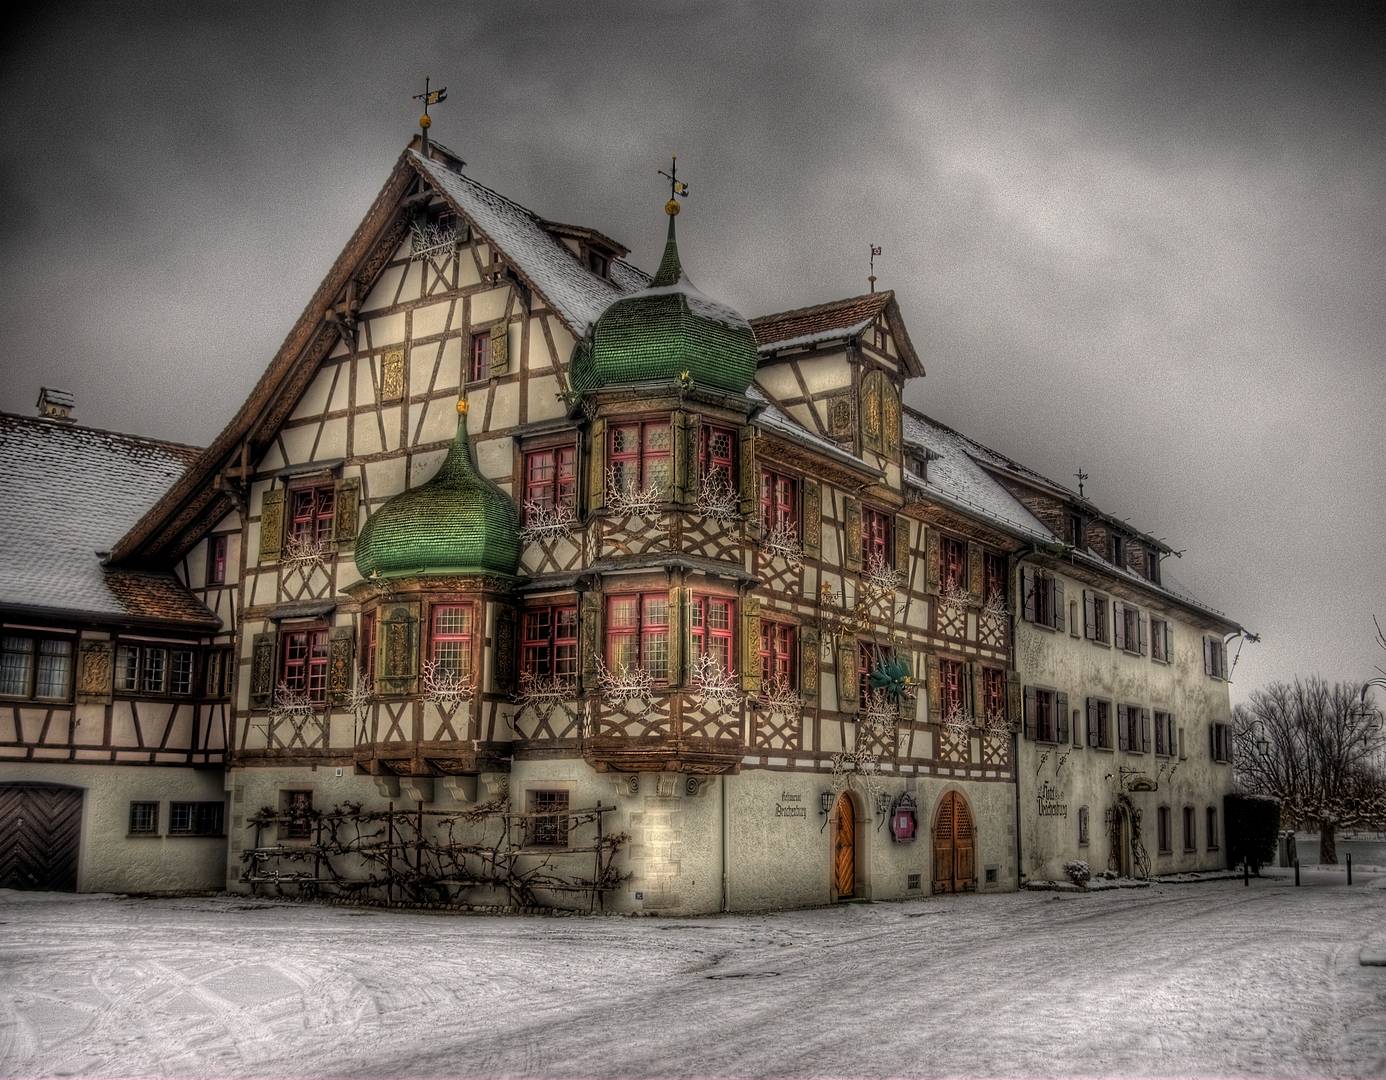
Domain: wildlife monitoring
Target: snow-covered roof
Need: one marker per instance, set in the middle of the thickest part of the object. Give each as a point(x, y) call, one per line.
point(578, 295)
point(772, 418)
point(699, 303)
point(628, 277)
point(955, 477)
point(69, 492)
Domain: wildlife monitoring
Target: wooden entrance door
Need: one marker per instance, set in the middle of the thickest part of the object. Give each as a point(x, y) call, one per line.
point(845, 848)
point(39, 828)
point(955, 845)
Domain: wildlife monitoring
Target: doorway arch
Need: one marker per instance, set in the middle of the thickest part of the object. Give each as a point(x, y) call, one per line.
point(955, 845)
point(844, 848)
point(41, 826)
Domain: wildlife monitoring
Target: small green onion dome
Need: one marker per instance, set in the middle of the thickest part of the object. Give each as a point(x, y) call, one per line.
point(664, 331)
point(457, 523)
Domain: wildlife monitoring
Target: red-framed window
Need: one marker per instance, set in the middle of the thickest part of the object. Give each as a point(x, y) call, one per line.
point(717, 455)
point(451, 631)
point(216, 560)
point(870, 656)
point(637, 633)
point(777, 652)
point(875, 535)
point(551, 476)
point(479, 362)
point(311, 513)
point(952, 686)
point(303, 662)
point(548, 642)
point(778, 500)
point(366, 658)
point(994, 690)
point(641, 455)
point(710, 622)
point(952, 554)
point(993, 575)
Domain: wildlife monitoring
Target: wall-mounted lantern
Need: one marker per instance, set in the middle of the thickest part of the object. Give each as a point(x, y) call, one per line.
point(825, 801)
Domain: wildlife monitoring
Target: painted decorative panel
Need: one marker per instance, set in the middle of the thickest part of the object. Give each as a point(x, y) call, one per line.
point(94, 680)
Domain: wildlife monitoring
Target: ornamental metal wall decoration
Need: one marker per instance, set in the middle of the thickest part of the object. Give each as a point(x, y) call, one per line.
point(547, 522)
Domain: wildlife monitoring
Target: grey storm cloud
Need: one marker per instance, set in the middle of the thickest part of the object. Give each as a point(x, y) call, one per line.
point(1145, 240)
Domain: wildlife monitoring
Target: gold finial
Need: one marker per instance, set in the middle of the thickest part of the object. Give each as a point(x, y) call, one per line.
point(462, 406)
point(428, 97)
point(676, 186)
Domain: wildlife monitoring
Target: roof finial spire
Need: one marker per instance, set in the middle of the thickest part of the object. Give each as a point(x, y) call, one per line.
point(428, 97)
point(670, 270)
point(871, 278)
point(1081, 476)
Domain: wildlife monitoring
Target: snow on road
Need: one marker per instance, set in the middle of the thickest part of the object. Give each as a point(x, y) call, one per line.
point(1177, 980)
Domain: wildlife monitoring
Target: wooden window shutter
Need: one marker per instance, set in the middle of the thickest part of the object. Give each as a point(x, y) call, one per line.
point(750, 475)
point(1059, 605)
point(262, 670)
point(1027, 594)
point(811, 535)
point(596, 466)
point(808, 665)
point(685, 435)
point(848, 674)
point(1213, 741)
point(1031, 707)
point(979, 704)
point(340, 647)
point(933, 561)
point(399, 657)
point(933, 685)
point(1207, 656)
point(504, 651)
point(1093, 734)
point(1145, 731)
point(590, 637)
point(348, 504)
point(1089, 615)
point(1169, 643)
point(974, 573)
point(851, 533)
point(1142, 627)
point(1123, 728)
point(271, 523)
point(890, 421)
point(902, 547)
point(1119, 623)
point(500, 348)
point(871, 387)
point(1013, 698)
point(750, 644)
point(1061, 717)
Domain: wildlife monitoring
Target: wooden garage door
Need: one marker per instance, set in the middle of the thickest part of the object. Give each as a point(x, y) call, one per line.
point(39, 828)
point(954, 845)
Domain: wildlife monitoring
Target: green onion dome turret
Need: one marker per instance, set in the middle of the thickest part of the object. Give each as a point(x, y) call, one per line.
point(459, 522)
point(664, 332)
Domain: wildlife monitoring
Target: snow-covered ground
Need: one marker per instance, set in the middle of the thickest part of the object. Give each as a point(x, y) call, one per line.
point(1209, 979)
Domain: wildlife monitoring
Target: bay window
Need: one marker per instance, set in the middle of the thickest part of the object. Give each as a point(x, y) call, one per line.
point(548, 642)
point(451, 630)
point(778, 501)
point(716, 456)
point(551, 477)
point(641, 456)
point(710, 629)
point(637, 633)
point(776, 652)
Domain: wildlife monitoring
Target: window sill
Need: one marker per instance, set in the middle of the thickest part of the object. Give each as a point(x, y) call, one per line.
point(143, 836)
point(1037, 625)
point(1159, 660)
point(196, 836)
point(1103, 749)
point(1098, 641)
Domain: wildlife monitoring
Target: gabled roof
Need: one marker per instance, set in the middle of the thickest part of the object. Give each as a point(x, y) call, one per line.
point(555, 275)
point(68, 492)
point(837, 320)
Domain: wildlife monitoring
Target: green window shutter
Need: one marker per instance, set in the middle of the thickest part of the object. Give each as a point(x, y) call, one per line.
point(974, 573)
point(933, 685)
point(750, 475)
point(271, 524)
point(262, 670)
point(399, 632)
point(500, 348)
point(596, 466)
point(680, 640)
point(851, 533)
point(979, 708)
point(848, 676)
point(590, 636)
point(503, 660)
point(348, 507)
point(902, 547)
point(812, 534)
point(339, 650)
point(933, 558)
point(684, 432)
point(808, 665)
point(750, 644)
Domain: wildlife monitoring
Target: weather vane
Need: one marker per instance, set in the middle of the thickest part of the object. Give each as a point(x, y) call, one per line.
point(1081, 475)
point(875, 250)
point(676, 186)
point(429, 97)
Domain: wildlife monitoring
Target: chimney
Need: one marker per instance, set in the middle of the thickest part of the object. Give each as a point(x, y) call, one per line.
point(55, 404)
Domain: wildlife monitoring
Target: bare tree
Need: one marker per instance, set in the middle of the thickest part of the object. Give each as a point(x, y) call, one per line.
point(1314, 747)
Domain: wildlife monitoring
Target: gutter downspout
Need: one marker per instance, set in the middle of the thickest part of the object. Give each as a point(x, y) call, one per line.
point(1035, 549)
point(722, 784)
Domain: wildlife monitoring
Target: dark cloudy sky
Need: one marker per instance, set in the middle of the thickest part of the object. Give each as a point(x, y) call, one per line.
point(1145, 239)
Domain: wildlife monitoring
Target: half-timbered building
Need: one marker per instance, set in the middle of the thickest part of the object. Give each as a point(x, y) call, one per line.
point(525, 577)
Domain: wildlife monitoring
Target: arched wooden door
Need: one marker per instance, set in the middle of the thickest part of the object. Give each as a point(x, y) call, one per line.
point(955, 845)
point(40, 825)
point(845, 848)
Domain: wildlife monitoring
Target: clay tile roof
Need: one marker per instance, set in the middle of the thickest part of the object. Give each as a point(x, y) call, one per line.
point(68, 492)
point(845, 318)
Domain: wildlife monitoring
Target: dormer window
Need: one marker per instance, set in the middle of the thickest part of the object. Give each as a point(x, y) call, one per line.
point(1152, 566)
point(598, 263)
point(1116, 548)
point(1075, 530)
